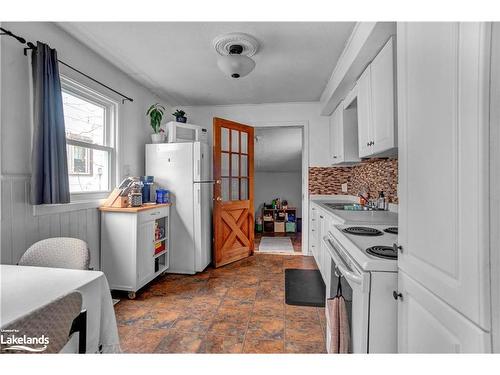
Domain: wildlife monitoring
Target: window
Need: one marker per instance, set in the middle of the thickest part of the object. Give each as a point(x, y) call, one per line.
point(89, 119)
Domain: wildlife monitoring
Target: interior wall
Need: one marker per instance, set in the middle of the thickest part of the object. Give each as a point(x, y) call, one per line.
point(284, 185)
point(259, 115)
point(20, 228)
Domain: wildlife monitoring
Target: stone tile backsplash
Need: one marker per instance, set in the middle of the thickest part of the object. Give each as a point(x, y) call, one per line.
point(373, 176)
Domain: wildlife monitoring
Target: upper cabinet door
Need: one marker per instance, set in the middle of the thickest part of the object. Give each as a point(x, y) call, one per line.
point(443, 101)
point(334, 152)
point(382, 81)
point(364, 114)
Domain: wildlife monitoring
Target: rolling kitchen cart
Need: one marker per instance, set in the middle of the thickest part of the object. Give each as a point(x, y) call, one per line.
point(134, 245)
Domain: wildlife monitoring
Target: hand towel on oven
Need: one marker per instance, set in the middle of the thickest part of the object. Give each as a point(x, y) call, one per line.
point(337, 323)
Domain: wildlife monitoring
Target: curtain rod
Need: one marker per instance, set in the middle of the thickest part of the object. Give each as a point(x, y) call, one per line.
point(30, 45)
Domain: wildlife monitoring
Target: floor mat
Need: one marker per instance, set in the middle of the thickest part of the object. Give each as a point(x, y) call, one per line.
point(276, 244)
point(304, 288)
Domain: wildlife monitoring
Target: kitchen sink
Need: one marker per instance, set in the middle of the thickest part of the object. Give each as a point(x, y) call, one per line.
point(348, 206)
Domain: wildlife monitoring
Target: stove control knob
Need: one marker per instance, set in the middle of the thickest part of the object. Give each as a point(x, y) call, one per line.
point(397, 295)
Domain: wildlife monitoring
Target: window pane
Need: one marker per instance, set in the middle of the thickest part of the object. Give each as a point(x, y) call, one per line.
point(235, 165)
point(244, 165)
point(235, 189)
point(235, 141)
point(224, 164)
point(224, 139)
point(225, 189)
point(244, 142)
point(88, 169)
point(84, 121)
point(244, 189)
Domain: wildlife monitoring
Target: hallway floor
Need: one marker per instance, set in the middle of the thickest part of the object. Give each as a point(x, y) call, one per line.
point(238, 308)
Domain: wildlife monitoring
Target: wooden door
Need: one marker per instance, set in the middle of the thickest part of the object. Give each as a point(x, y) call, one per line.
point(443, 162)
point(233, 213)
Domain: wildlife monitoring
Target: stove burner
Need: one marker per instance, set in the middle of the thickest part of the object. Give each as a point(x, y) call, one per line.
point(385, 252)
point(393, 230)
point(362, 231)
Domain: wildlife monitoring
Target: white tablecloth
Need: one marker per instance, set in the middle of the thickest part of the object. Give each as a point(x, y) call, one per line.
point(24, 289)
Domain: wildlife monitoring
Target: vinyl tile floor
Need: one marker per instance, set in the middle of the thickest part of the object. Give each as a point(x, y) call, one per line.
point(239, 308)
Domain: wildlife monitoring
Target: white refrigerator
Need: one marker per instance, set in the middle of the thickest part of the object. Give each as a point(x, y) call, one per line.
point(184, 170)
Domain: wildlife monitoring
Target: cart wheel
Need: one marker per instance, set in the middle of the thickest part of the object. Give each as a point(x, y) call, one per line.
point(131, 295)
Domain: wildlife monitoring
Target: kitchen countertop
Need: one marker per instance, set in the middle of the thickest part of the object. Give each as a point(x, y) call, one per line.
point(358, 217)
point(134, 209)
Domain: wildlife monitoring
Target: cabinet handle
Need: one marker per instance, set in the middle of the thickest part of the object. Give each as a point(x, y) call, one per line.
point(321, 217)
point(313, 230)
point(368, 143)
point(397, 295)
point(397, 247)
point(335, 156)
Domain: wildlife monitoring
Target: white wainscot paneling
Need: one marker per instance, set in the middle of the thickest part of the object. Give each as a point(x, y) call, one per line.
point(20, 228)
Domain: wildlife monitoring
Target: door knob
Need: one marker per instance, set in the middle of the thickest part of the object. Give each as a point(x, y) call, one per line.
point(217, 182)
point(397, 247)
point(397, 295)
point(218, 199)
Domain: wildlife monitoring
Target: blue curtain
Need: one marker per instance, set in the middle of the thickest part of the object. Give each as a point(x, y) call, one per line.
point(49, 175)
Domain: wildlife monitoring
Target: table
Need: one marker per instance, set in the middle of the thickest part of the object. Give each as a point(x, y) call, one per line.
point(24, 289)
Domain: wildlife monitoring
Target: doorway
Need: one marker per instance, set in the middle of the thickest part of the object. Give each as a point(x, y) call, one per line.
point(278, 188)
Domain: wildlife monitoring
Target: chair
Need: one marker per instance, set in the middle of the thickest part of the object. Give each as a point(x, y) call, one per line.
point(52, 325)
point(58, 252)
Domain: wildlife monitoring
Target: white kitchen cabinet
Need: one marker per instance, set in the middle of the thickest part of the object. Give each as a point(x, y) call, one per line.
point(429, 325)
point(377, 133)
point(364, 114)
point(443, 88)
point(343, 135)
point(313, 230)
point(384, 134)
point(132, 252)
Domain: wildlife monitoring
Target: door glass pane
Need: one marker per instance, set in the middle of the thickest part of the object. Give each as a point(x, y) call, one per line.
point(235, 189)
point(225, 189)
point(235, 165)
point(244, 166)
point(235, 141)
point(224, 139)
point(224, 165)
point(244, 142)
point(244, 189)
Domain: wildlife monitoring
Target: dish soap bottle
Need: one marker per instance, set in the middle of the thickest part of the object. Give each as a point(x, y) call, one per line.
point(381, 201)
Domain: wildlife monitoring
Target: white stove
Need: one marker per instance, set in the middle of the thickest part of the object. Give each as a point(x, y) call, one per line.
point(366, 261)
point(357, 245)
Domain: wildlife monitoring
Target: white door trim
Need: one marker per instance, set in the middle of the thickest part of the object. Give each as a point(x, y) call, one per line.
point(305, 171)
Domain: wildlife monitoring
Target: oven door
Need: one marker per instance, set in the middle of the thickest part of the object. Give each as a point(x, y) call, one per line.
point(355, 290)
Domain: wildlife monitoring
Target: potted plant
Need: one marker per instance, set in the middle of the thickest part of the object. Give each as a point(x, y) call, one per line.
point(155, 113)
point(179, 115)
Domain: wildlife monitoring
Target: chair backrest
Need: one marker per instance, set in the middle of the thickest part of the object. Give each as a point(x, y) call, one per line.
point(58, 252)
point(49, 326)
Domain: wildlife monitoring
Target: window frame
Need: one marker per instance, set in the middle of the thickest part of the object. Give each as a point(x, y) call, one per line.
point(111, 107)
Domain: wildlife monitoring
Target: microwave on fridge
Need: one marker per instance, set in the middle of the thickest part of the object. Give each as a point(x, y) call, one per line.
point(182, 132)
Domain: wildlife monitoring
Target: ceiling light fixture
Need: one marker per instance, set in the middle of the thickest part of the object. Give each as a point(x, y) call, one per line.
point(235, 50)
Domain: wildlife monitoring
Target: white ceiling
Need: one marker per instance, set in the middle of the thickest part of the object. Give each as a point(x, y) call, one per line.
point(178, 62)
point(278, 149)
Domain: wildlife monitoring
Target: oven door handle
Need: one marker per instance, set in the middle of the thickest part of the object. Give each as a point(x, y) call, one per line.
point(340, 264)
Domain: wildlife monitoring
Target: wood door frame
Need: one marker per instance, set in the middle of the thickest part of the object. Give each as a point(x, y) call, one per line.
point(304, 124)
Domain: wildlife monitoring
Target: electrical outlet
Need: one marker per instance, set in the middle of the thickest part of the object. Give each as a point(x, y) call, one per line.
point(344, 188)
